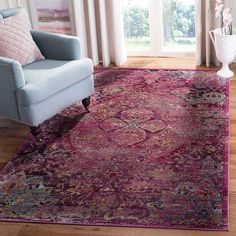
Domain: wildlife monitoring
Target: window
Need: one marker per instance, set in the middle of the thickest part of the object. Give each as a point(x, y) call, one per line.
point(137, 27)
point(178, 19)
point(159, 27)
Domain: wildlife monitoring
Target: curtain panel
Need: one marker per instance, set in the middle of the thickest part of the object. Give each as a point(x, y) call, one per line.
point(99, 25)
point(206, 21)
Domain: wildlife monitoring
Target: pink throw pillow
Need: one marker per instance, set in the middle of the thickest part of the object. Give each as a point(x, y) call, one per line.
point(16, 41)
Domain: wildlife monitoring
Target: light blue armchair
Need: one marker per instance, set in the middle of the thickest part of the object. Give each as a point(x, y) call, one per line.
point(35, 92)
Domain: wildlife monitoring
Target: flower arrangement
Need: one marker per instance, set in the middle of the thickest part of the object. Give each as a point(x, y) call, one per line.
point(226, 17)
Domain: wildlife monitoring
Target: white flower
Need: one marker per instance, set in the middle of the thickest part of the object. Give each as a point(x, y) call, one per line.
point(219, 8)
point(227, 17)
point(226, 12)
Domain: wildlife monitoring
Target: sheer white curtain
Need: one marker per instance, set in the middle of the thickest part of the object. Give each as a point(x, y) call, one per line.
point(205, 21)
point(99, 24)
point(11, 3)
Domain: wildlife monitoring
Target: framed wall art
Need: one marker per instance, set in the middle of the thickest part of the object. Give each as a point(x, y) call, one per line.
point(53, 16)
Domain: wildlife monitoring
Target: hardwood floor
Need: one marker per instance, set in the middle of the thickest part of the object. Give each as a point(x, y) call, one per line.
point(11, 138)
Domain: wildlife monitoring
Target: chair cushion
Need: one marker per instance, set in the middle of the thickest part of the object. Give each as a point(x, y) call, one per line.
point(47, 77)
point(16, 41)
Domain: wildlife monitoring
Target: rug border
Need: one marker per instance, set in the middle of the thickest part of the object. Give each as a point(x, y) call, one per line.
point(3, 170)
point(112, 225)
point(155, 68)
point(227, 155)
point(226, 169)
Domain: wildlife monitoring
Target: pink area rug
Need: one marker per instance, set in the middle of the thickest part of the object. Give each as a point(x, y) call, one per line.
point(153, 152)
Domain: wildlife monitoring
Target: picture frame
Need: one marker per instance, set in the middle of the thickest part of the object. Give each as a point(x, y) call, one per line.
point(53, 16)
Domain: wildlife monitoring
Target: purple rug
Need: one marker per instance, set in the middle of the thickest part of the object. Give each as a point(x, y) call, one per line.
point(153, 152)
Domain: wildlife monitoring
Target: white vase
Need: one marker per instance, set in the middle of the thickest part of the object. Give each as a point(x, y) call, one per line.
point(225, 46)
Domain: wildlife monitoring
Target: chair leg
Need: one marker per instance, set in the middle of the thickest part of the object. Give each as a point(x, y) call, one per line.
point(86, 102)
point(35, 131)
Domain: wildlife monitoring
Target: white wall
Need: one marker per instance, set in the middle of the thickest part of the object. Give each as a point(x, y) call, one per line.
point(233, 6)
point(4, 4)
point(13, 3)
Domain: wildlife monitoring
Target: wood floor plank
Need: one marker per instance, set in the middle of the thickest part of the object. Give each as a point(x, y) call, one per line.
point(11, 138)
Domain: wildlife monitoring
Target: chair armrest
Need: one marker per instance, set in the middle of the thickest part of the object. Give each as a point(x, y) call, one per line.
point(11, 74)
point(11, 79)
point(57, 46)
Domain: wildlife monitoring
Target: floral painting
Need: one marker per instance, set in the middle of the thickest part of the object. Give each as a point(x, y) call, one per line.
point(54, 15)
